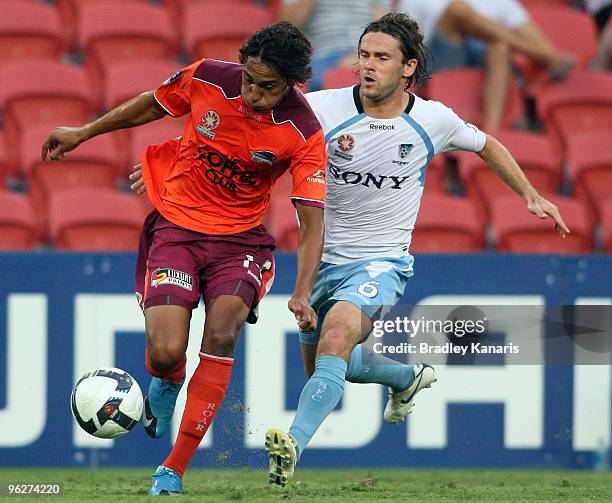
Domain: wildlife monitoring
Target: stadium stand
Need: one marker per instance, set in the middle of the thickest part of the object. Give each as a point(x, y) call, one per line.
point(338, 77)
point(570, 31)
point(17, 222)
point(113, 31)
point(461, 89)
point(155, 132)
point(589, 163)
point(222, 34)
point(582, 103)
point(281, 219)
point(447, 224)
point(127, 79)
point(29, 31)
point(42, 92)
point(4, 162)
point(95, 219)
point(517, 231)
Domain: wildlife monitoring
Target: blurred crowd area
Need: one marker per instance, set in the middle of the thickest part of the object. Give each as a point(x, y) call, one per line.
point(534, 73)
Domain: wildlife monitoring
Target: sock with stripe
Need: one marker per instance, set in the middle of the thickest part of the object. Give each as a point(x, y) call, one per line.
point(205, 393)
point(367, 366)
point(319, 397)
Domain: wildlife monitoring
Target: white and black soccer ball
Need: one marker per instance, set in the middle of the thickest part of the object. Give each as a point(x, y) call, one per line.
point(107, 402)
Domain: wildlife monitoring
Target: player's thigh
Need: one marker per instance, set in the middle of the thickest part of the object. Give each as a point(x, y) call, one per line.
point(225, 316)
point(343, 327)
point(167, 331)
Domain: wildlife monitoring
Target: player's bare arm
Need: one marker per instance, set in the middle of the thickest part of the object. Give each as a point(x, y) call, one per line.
point(139, 110)
point(504, 165)
point(310, 246)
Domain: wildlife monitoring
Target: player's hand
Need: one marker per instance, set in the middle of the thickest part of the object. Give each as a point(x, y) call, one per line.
point(136, 176)
point(544, 208)
point(60, 141)
point(304, 314)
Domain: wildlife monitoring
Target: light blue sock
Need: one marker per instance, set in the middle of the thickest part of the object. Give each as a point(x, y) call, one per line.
point(319, 397)
point(366, 366)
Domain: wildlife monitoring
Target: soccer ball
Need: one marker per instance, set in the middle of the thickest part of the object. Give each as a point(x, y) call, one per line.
point(107, 402)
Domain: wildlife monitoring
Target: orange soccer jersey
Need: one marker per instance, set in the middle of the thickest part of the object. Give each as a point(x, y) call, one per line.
point(217, 178)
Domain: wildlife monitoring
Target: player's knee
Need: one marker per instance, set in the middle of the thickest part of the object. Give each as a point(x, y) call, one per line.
point(165, 357)
point(458, 11)
point(498, 49)
point(220, 342)
point(335, 341)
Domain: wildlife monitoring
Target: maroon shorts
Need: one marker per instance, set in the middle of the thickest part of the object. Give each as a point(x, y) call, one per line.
point(176, 266)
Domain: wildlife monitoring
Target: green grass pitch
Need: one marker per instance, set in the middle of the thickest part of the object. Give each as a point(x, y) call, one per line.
point(321, 486)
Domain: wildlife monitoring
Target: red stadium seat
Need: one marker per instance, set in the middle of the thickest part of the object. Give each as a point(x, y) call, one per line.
point(125, 80)
point(281, 219)
point(42, 92)
point(218, 30)
point(518, 231)
point(336, 78)
point(570, 31)
point(154, 132)
point(461, 90)
point(4, 161)
point(534, 154)
point(589, 163)
point(447, 224)
point(606, 224)
point(16, 222)
point(435, 175)
point(113, 31)
point(582, 103)
point(29, 31)
point(95, 163)
point(95, 220)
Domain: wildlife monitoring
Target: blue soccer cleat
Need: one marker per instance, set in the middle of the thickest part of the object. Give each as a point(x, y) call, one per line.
point(165, 482)
point(159, 406)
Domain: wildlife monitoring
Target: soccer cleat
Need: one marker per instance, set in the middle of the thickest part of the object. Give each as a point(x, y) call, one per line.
point(400, 403)
point(159, 406)
point(282, 455)
point(165, 482)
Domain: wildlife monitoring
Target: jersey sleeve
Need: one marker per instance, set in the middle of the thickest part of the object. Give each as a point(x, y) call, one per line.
point(460, 135)
point(308, 172)
point(174, 95)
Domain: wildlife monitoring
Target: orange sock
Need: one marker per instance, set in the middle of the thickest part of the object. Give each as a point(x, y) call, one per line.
point(176, 375)
point(204, 396)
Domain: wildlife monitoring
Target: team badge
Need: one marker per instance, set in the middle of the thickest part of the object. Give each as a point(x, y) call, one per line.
point(346, 142)
point(404, 149)
point(210, 121)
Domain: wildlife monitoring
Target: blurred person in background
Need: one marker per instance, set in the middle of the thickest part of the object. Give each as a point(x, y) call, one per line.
point(601, 10)
point(332, 26)
point(483, 33)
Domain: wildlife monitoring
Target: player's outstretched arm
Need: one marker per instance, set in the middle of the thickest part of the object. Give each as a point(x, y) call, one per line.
point(310, 246)
point(139, 110)
point(501, 161)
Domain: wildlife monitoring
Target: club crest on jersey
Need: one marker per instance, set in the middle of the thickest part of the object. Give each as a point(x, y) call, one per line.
point(210, 121)
point(171, 277)
point(263, 157)
point(404, 149)
point(345, 142)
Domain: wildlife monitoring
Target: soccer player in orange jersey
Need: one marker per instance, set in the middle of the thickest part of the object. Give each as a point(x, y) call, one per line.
point(246, 126)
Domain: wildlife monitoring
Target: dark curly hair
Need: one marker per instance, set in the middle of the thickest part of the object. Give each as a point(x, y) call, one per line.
point(406, 30)
point(282, 47)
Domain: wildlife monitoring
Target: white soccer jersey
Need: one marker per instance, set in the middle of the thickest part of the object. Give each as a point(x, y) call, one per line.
point(376, 170)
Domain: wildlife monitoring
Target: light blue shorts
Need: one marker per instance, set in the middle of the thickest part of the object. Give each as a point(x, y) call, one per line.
point(374, 285)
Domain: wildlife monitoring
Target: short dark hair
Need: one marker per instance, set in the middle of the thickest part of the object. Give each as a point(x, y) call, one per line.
point(284, 48)
point(406, 30)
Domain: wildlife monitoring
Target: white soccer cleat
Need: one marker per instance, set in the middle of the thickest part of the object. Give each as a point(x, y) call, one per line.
point(400, 403)
point(282, 456)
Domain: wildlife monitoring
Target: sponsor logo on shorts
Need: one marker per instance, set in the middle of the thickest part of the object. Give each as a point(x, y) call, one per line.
point(171, 277)
point(317, 177)
point(210, 121)
point(139, 298)
point(263, 157)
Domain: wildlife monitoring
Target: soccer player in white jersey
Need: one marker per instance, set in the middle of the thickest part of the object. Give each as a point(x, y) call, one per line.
point(380, 139)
